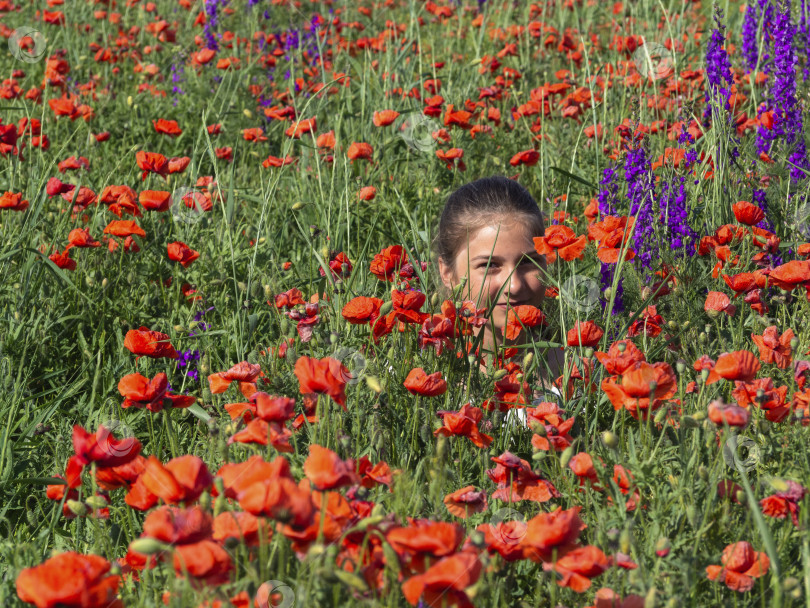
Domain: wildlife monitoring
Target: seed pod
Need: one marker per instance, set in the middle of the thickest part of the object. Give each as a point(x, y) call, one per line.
point(434, 300)
point(622, 347)
point(95, 502)
point(588, 352)
point(625, 541)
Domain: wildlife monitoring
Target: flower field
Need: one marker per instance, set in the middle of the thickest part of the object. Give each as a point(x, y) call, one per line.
point(232, 375)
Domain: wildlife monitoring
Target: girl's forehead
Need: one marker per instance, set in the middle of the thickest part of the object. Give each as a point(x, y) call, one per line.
point(512, 236)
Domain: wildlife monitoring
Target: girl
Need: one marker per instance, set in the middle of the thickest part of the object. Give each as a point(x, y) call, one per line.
point(485, 236)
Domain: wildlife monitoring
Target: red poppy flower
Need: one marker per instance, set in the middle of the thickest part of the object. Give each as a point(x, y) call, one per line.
point(443, 584)
point(560, 240)
point(13, 201)
point(644, 387)
point(147, 343)
point(424, 540)
point(774, 348)
point(426, 385)
point(620, 356)
point(326, 376)
point(721, 413)
point(70, 580)
point(388, 262)
point(546, 532)
point(384, 118)
point(182, 479)
point(585, 333)
point(180, 252)
point(524, 315)
point(246, 374)
point(80, 237)
point(139, 391)
point(517, 482)
point(741, 565)
point(462, 503)
point(327, 471)
point(167, 127)
point(361, 309)
point(578, 567)
point(152, 162)
point(243, 527)
point(155, 200)
point(177, 526)
point(740, 365)
point(748, 213)
point(359, 151)
point(718, 302)
point(463, 423)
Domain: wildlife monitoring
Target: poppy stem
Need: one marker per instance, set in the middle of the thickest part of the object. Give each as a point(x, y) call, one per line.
point(167, 419)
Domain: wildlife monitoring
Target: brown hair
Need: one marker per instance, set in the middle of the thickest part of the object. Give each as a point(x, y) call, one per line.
point(480, 203)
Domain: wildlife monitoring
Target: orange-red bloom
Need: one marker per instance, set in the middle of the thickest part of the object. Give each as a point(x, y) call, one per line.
point(427, 385)
point(560, 240)
point(741, 565)
point(147, 343)
point(326, 376)
point(70, 580)
point(774, 348)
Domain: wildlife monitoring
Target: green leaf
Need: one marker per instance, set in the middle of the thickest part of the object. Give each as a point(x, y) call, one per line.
point(576, 178)
point(199, 412)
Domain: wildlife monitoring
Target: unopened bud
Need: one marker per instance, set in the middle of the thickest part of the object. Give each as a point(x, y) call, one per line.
point(649, 599)
point(660, 416)
point(610, 439)
point(148, 546)
point(680, 366)
point(527, 360)
point(794, 343)
point(499, 373)
point(567, 455)
point(434, 300)
point(77, 507)
point(625, 541)
point(386, 308)
point(298, 205)
point(662, 547)
point(247, 113)
point(588, 352)
point(96, 501)
point(703, 473)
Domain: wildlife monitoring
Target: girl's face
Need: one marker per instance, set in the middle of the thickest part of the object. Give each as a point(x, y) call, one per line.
point(496, 256)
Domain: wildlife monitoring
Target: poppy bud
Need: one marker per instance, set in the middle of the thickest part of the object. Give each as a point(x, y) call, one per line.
point(741, 497)
point(478, 539)
point(680, 366)
point(567, 455)
point(352, 580)
point(662, 547)
point(699, 416)
point(457, 289)
point(702, 339)
point(518, 376)
point(129, 101)
point(691, 515)
point(247, 113)
point(588, 352)
point(610, 439)
point(539, 455)
point(205, 498)
point(660, 416)
point(794, 343)
point(434, 300)
point(713, 314)
point(298, 205)
point(703, 473)
point(689, 423)
point(537, 427)
point(76, 507)
point(104, 283)
point(203, 367)
point(386, 308)
point(625, 541)
point(646, 292)
point(527, 360)
point(704, 373)
point(499, 373)
point(471, 359)
point(790, 583)
point(392, 354)
point(96, 501)
point(374, 384)
point(649, 600)
point(148, 546)
point(89, 281)
point(324, 252)
point(607, 293)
